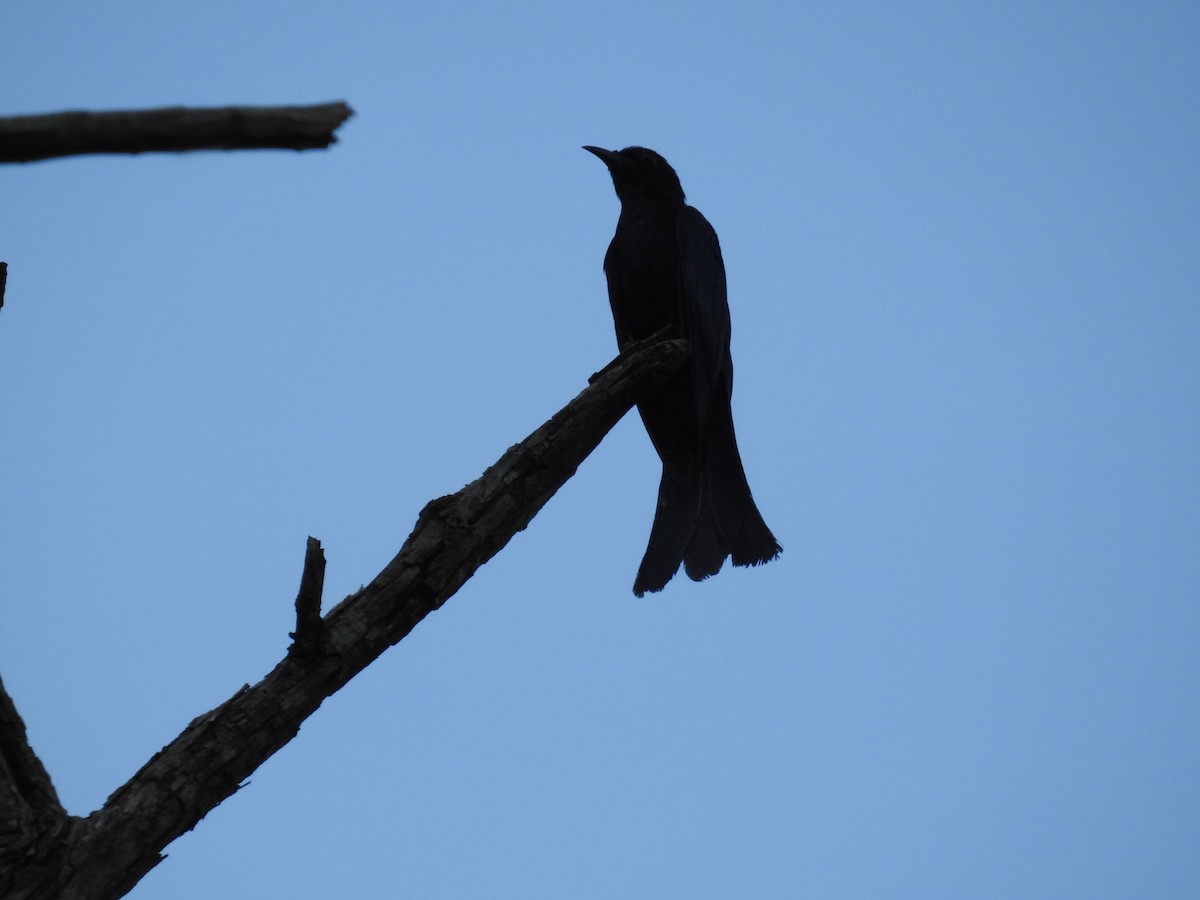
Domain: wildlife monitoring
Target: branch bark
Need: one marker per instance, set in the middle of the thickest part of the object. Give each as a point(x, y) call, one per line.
point(170, 129)
point(103, 856)
point(29, 805)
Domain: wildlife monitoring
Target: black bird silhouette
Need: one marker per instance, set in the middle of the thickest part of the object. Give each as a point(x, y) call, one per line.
point(664, 267)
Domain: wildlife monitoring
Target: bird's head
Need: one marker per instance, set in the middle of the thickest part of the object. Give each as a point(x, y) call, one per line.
point(640, 173)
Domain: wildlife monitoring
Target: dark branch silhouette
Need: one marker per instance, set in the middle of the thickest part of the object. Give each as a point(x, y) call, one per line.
point(32, 821)
point(45, 853)
point(172, 129)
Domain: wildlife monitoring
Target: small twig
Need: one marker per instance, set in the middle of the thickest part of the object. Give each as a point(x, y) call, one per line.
point(3, 281)
point(171, 129)
point(307, 635)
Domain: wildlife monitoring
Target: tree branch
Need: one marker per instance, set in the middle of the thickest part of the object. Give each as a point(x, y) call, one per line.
point(33, 824)
point(170, 129)
point(114, 847)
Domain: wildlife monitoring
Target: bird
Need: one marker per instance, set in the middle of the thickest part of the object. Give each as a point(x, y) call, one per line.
point(664, 268)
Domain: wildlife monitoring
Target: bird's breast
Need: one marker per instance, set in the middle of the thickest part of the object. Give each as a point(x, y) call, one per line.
point(643, 271)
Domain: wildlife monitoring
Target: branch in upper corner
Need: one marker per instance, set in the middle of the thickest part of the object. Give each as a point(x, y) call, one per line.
point(171, 129)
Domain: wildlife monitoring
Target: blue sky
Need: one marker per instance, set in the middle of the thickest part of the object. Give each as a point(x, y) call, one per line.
point(962, 254)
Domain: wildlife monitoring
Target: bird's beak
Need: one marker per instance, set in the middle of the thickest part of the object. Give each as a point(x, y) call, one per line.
point(606, 156)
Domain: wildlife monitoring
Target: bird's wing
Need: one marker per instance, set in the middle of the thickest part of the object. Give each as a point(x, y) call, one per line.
point(703, 303)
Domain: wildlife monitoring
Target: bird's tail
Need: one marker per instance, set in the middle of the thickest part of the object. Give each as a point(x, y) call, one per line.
point(674, 523)
point(738, 520)
point(708, 548)
point(705, 514)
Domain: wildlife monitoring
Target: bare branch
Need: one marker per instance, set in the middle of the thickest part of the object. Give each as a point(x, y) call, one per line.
point(21, 772)
point(114, 847)
point(32, 821)
point(666, 333)
point(171, 129)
